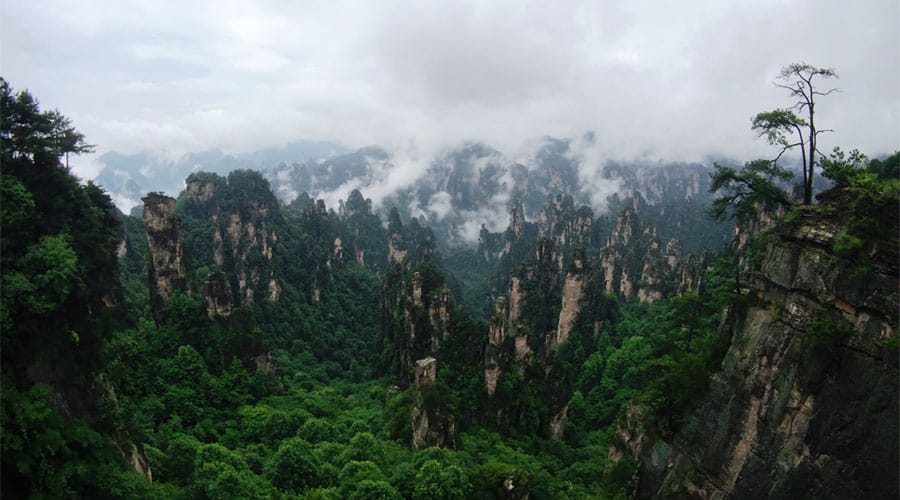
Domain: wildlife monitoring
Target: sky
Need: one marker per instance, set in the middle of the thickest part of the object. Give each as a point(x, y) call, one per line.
point(677, 81)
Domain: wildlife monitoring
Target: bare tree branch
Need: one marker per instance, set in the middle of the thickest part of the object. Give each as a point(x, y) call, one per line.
point(829, 92)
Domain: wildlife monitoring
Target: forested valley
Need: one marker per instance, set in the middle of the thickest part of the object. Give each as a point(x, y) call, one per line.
point(224, 343)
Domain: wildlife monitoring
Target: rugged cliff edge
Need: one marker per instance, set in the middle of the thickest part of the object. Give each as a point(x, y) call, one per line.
point(805, 405)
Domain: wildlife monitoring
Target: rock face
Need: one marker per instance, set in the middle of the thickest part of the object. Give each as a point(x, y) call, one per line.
point(248, 232)
point(429, 427)
point(566, 226)
point(621, 257)
point(806, 402)
point(165, 237)
point(572, 295)
point(422, 320)
point(240, 211)
point(217, 296)
point(544, 299)
point(494, 350)
point(396, 255)
point(636, 264)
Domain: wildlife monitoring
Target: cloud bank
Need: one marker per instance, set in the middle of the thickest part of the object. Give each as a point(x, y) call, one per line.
point(676, 82)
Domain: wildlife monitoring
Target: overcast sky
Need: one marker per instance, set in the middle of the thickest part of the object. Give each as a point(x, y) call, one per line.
point(669, 80)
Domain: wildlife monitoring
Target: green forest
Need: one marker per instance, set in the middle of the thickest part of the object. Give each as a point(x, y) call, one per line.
point(223, 344)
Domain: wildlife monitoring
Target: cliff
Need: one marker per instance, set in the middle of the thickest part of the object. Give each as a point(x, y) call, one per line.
point(805, 404)
point(165, 237)
point(430, 427)
point(238, 216)
point(636, 263)
point(544, 300)
point(415, 303)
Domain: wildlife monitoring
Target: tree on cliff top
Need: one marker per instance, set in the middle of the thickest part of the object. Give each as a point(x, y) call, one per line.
point(786, 130)
point(778, 125)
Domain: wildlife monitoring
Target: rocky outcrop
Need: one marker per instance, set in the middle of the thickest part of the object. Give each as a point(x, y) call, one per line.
point(439, 316)
point(429, 426)
point(217, 296)
point(662, 183)
point(416, 303)
point(265, 363)
point(248, 232)
point(493, 351)
point(621, 258)
point(636, 264)
point(566, 226)
point(425, 320)
point(541, 308)
point(138, 461)
point(241, 212)
point(788, 415)
point(572, 295)
point(396, 255)
point(166, 269)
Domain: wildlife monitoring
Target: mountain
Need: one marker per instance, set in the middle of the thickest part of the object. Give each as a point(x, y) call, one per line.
point(127, 177)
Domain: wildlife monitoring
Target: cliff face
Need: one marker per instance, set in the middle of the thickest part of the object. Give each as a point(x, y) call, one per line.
point(429, 426)
point(165, 239)
point(217, 296)
point(806, 402)
point(240, 212)
point(421, 318)
point(416, 302)
point(636, 264)
point(544, 299)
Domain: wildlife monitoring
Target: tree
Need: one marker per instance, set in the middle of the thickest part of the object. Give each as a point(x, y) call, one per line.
point(29, 133)
point(294, 467)
point(756, 186)
point(780, 125)
point(746, 191)
point(438, 481)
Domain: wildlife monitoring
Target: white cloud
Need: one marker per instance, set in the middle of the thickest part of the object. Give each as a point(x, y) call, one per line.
point(440, 204)
point(675, 82)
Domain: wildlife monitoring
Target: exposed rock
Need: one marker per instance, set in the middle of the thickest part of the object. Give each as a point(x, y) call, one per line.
point(248, 232)
point(621, 258)
point(138, 461)
point(122, 249)
point(565, 226)
point(242, 211)
point(496, 338)
point(517, 218)
point(655, 274)
point(439, 315)
point(426, 372)
point(200, 191)
point(522, 349)
point(265, 363)
point(558, 422)
point(636, 264)
point(429, 426)
point(217, 295)
point(274, 290)
point(165, 239)
point(787, 416)
point(692, 271)
point(572, 293)
point(673, 254)
point(338, 249)
point(515, 299)
point(396, 255)
point(417, 289)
